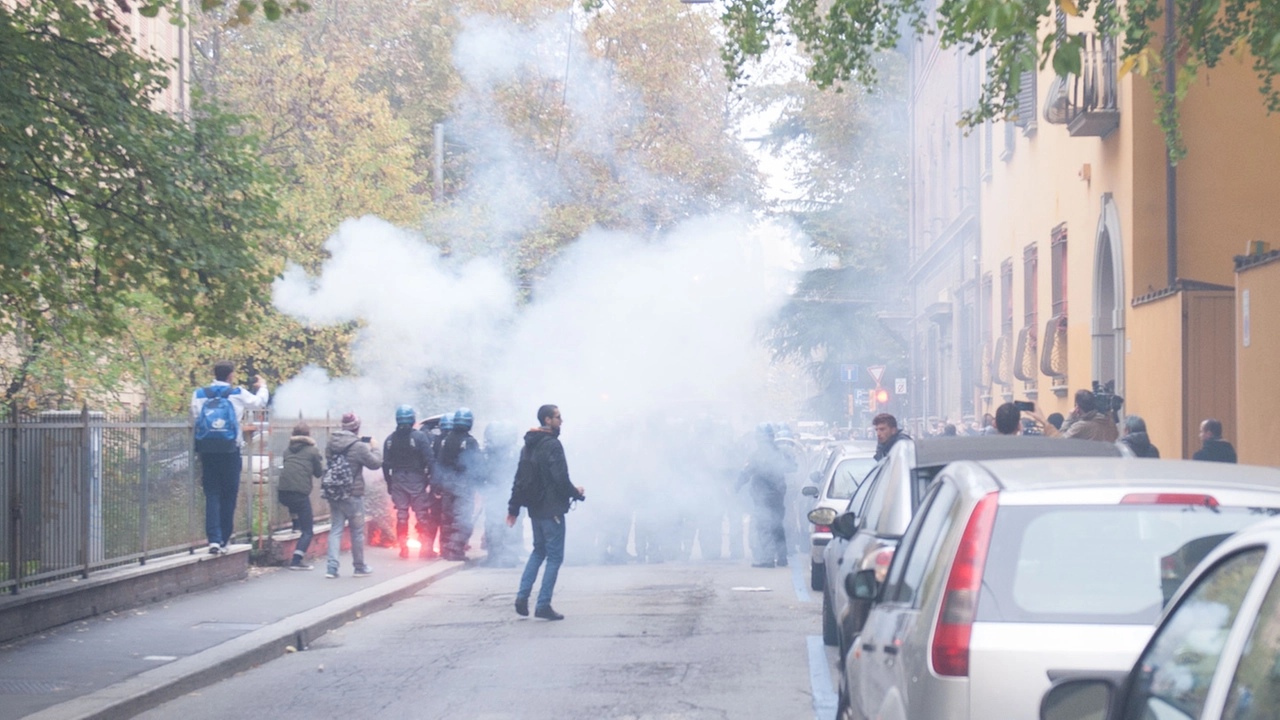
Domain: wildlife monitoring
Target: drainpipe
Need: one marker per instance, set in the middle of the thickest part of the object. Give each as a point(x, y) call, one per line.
point(1170, 169)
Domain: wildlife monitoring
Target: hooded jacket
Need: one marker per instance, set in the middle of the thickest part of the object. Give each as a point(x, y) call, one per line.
point(359, 456)
point(550, 489)
point(1141, 445)
point(882, 449)
point(302, 462)
point(1216, 450)
point(1093, 426)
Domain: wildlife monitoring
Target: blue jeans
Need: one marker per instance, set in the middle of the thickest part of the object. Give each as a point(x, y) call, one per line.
point(220, 478)
point(300, 504)
point(548, 544)
point(350, 511)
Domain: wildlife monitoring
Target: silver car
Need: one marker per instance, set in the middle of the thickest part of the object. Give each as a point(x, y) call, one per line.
point(831, 488)
point(1213, 655)
point(1016, 571)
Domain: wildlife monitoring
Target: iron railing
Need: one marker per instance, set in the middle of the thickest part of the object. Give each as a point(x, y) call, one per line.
point(82, 491)
point(1091, 104)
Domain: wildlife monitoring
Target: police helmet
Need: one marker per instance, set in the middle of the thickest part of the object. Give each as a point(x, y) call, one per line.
point(446, 422)
point(784, 431)
point(765, 429)
point(462, 419)
point(405, 415)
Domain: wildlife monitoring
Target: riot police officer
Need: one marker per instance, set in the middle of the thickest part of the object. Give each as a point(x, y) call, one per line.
point(501, 455)
point(457, 462)
point(441, 424)
point(406, 466)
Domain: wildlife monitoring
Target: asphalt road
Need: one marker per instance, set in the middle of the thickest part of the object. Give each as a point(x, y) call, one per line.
point(676, 640)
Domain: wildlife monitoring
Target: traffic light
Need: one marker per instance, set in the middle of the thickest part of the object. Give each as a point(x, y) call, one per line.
point(882, 396)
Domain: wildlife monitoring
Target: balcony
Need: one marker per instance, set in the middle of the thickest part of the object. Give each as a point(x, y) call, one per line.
point(1091, 99)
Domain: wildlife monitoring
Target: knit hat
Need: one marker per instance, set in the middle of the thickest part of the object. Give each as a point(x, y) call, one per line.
point(351, 421)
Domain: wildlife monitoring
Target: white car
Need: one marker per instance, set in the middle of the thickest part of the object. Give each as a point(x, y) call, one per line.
point(831, 487)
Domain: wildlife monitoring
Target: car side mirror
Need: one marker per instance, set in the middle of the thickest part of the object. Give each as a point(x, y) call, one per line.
point(844, 526)
point(809, 491)
point(1078, 699)
point(862, 585)
point(815, 477)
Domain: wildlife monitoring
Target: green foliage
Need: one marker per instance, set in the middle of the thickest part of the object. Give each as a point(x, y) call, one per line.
point(843, 37)
point(106, 196)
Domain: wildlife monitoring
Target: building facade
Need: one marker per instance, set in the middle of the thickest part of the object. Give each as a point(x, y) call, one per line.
point(1077, 276)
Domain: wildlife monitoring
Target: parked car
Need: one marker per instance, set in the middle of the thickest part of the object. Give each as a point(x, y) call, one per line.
point(1214, 653)
point(831, 487)
point(866, 534)
point(1016, 571)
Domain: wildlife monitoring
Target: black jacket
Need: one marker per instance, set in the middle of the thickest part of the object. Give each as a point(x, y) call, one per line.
point(406, 451)
point(1141, 445)
point(1216, 451)
point(883, 448)
point(549, 491)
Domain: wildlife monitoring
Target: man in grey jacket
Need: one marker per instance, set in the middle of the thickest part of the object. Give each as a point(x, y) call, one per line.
point(361, 453)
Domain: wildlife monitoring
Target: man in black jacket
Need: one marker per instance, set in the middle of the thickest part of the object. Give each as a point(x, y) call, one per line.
point(542, 485)
point(1215, 449)
point(1135, 436)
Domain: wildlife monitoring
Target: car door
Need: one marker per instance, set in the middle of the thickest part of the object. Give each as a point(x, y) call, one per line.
point(888, 665)
point(836, 554)
point(1174, 675)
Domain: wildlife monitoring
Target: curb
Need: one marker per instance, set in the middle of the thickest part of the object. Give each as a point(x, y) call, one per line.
point(152, 688)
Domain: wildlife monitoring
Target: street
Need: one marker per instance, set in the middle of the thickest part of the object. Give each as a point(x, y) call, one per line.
point(674, 640)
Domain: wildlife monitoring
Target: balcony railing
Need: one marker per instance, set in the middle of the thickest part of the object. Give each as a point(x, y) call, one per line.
point(1091, 101)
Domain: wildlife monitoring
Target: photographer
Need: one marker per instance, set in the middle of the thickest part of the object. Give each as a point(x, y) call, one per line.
point(1087, 423)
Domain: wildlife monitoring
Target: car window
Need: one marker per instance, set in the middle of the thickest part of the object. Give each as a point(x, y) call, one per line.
point(860, 497)
point(911, 561)
point(1255, 689)
point(1175, 670)
point(849, 474)
point(880, 494)
point(1096, 564)
point(920, 479)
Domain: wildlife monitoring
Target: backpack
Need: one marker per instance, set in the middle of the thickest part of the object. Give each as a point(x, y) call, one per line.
point(217, 424)
point(525, 486)
point(337, 481)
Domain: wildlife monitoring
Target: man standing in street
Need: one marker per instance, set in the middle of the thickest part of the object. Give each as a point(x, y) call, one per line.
point(1214, 449)
point(406, 466)
point(1135, 436)
point(218, 410)
point(887, 433)
point(359, 453)
point(542, 485)
point(1087, 423)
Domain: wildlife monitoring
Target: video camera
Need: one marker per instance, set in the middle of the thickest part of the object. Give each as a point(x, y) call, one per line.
point(1105, 398)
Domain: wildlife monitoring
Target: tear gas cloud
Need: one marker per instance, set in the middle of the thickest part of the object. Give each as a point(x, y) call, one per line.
point(626, 334)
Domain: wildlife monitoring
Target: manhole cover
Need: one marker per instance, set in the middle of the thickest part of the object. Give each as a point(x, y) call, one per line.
point(33, 687)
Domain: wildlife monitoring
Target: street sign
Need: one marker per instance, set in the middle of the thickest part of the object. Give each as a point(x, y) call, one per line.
point(900, 386)
point(862, 399)
point(877, 372)
point(848, 373)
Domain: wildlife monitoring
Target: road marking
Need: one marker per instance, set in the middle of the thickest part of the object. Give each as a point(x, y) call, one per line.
point(797, 580)
point(824, 697)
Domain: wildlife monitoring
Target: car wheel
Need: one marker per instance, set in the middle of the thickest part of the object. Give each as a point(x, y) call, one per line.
point(817, 576)
point(830, 636)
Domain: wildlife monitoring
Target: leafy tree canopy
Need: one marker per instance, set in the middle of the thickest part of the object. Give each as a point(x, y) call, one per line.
point(844, 36)
point(103, 195)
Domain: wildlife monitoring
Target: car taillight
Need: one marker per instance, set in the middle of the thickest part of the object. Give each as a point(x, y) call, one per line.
point(822, 528)
point(1208, 501)
point(883, 559)
point(960, 599)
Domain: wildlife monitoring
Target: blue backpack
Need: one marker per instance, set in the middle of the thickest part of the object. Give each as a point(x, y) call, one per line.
point(217, 427)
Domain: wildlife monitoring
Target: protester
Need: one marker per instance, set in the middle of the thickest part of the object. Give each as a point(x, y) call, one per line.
point(358, 453)
point(542, 485)
point(218, 410)
point(1008, 419)
point(1135, 436)
point(1214, 448)
point(887, 433)
point(302, 463)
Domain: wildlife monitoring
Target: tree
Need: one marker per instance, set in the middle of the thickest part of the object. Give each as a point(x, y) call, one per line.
point(105, 197)
point(844, 36)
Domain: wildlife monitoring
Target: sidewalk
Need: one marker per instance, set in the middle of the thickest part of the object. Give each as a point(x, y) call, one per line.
point(119, 664)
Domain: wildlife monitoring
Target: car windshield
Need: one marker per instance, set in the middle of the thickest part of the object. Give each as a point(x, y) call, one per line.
point(849, 474)
point(1095, 564)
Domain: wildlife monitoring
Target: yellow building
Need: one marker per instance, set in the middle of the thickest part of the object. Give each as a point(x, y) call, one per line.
point(1069, 279)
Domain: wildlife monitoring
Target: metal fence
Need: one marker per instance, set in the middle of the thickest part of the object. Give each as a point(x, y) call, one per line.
point(82, 491)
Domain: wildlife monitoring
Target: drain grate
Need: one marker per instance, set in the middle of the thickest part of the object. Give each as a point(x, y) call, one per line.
point(33, 687)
